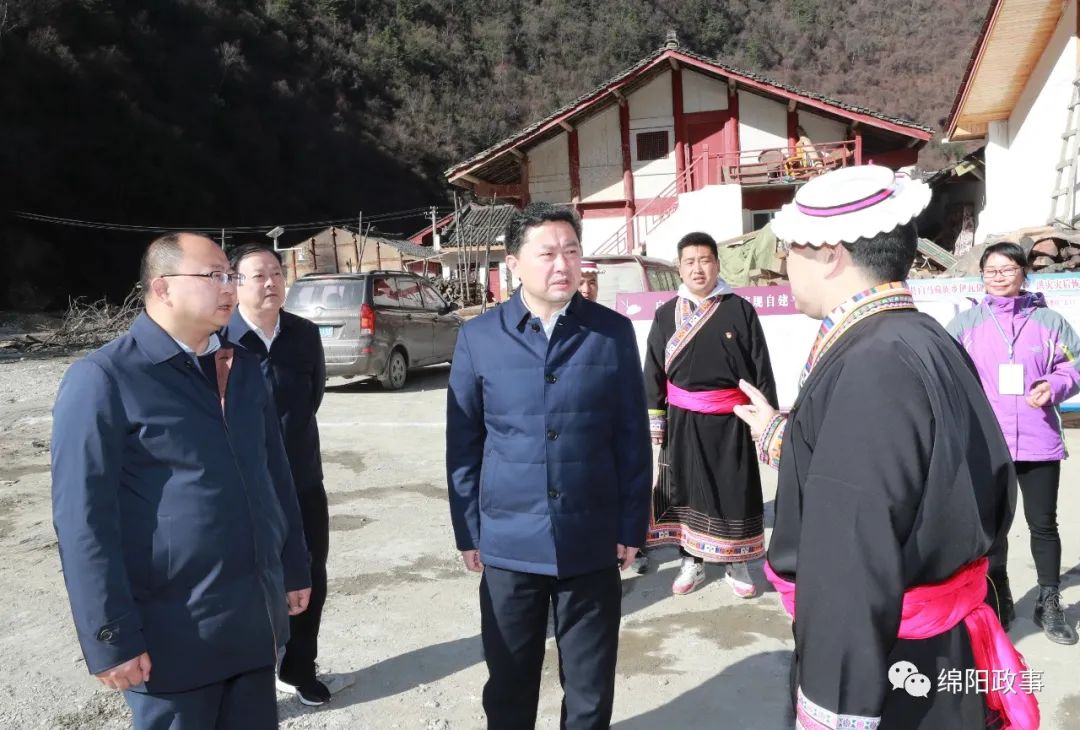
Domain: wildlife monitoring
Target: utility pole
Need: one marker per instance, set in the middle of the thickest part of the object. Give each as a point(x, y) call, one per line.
point(355, 245)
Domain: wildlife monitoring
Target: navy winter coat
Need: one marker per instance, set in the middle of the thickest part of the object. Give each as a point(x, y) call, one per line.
point(179, 528)
point(296, 370)
point(547, 443)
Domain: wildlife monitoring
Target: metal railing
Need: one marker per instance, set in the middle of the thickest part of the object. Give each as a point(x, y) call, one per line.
point(780, 165)
point(653, 213)
point(769, 166)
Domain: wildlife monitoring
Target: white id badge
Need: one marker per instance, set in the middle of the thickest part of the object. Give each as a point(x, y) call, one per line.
point(1011, 378)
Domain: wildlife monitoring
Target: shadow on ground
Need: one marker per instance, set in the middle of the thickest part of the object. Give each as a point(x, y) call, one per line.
point(736, 695)
point(434, 377)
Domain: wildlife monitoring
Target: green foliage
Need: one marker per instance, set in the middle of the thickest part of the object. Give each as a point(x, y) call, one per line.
point(241, 111)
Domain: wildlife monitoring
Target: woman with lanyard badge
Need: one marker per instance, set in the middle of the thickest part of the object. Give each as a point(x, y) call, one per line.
point(1025, 354)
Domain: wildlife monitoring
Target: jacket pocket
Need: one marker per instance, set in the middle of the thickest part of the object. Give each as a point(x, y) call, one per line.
point(489, 470)
point(149, 558)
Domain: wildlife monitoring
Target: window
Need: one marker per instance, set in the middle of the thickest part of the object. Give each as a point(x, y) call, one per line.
point(652, 145)
point(760, 217)
point(409, 294)
point(662, 279)
point(325, 293)
point(432, 300)
point(383, 293)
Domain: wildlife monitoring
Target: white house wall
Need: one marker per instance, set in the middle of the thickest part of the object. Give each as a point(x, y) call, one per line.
point(650, 111)
point(600, 156)
point(762, 122)
point(703, 93)
point(1022, 152)
point(596, 231)
point(821, 129)
point(549, 171)
point(715, 209)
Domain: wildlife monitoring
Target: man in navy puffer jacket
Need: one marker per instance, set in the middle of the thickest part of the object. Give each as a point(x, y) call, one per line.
point(549, 468)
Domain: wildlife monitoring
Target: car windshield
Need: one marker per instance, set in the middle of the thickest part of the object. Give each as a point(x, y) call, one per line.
point(615, 277)
point(325, 294)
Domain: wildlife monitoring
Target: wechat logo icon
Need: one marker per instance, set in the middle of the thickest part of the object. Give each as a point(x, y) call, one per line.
point(906, 676)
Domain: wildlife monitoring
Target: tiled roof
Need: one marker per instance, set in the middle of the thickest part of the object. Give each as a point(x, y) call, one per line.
point(478, 225)
point(722, 67)
point(407, 248)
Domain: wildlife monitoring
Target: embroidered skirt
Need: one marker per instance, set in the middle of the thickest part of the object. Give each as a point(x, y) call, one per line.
point(707, 497)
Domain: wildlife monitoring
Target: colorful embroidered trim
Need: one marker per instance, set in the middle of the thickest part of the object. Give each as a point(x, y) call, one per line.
point(771, 441)
point(708, 547)
point(884, 298)
point(688, 322)
point(809, 716)
point(657, 422)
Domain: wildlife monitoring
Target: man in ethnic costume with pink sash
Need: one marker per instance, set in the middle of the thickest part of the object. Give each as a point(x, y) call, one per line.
point(708, 494)
point(895, 481)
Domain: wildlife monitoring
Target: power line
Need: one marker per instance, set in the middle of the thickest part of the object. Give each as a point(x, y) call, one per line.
point(134, 228)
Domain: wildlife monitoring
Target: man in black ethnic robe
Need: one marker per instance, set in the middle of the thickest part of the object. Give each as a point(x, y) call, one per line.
point(894, 483)
point(707, 499)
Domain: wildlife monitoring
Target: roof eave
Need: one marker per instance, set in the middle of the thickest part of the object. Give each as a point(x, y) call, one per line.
point(459, 171)
point(457, 175)
point(969, 72)
point(917, 131)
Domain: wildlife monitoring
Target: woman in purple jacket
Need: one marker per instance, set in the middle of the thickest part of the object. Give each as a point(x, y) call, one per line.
point(1026, 357)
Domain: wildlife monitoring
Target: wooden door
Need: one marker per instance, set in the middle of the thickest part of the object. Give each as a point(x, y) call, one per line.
point(711, 132)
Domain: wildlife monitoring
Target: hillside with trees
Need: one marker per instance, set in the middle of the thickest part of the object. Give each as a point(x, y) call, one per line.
point(247, 112)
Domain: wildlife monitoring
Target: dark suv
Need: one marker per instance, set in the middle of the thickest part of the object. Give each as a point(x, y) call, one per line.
point(377, 324)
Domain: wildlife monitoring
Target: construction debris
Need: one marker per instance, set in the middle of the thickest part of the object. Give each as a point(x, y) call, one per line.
point(1050, 251)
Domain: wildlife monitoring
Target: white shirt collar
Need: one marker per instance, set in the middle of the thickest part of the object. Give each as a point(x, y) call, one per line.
point(212, 346)
point(267, 340)
point(548, 324)
point(720, 288)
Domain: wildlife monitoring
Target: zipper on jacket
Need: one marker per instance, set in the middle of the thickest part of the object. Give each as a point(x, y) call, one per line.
point(219, 406)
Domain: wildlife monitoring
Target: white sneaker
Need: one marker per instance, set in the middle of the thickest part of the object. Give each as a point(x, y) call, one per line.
point(691, 575)
point(738, 577)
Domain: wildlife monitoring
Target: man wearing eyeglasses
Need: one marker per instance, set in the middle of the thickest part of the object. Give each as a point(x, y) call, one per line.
point(179, 530)
point(291, 354)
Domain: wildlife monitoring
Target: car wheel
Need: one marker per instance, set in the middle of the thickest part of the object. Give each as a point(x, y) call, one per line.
point(397, 370)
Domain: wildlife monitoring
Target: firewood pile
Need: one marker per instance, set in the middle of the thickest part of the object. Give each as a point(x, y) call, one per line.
point(1050, 250)
point(456, 290)
point(88, 324)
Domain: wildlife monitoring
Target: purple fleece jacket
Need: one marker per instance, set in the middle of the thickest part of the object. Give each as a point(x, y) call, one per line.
point(1046, 346)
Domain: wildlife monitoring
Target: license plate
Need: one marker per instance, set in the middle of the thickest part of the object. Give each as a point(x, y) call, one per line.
point(326, 330)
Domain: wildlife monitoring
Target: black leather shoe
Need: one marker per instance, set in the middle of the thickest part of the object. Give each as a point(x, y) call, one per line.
point(1050, 617)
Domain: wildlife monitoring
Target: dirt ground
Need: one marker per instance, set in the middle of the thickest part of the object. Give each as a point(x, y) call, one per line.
point(402, 617)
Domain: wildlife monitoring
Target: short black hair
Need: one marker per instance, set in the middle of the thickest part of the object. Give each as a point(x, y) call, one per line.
point(533, 215)
point(243, 251)
point(887, 256)
point(697, 238)
point(1009, 250)
point(162, 256)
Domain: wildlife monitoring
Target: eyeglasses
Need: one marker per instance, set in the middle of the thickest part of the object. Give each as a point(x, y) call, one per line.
point(220, 277)
point(1008, 272)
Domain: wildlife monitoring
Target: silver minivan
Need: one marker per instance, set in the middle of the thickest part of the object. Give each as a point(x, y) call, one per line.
point(377, 324)
point(631, 274)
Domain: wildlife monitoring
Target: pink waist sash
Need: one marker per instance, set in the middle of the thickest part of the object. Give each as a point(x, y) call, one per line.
point(931, 610)
point(711, 402)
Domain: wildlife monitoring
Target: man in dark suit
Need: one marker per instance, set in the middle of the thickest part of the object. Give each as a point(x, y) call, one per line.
point(179, 530)
point(549, 464)
point(291, 353)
